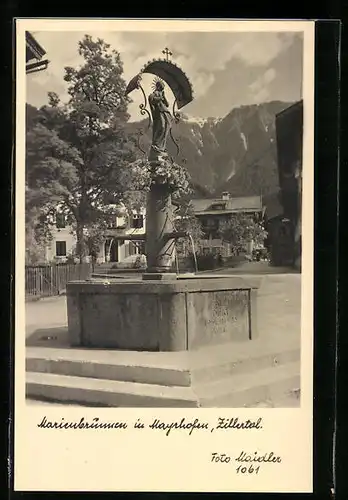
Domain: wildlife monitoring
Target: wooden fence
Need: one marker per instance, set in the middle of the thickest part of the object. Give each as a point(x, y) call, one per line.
point(50, 280)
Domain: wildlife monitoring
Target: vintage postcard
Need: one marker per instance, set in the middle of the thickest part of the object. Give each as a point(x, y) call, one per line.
point(164, 255)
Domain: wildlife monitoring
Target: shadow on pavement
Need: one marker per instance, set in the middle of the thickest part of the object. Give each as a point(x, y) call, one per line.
point(48, 337)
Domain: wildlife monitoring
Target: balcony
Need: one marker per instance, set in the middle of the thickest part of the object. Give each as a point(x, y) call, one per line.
point(115, 231)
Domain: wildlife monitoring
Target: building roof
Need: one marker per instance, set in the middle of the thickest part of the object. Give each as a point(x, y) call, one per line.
point(34, 54)
point(33, 48)
point(202, 206)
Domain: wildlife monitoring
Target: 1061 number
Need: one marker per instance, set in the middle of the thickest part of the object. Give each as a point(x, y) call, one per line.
point(247, 470)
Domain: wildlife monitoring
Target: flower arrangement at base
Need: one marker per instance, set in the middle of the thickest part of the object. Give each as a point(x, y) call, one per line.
point(163, 171)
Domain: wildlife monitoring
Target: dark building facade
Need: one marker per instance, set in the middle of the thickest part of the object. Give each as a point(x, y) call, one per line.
point(285, 229)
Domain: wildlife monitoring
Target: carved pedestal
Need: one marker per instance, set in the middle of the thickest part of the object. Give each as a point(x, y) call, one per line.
point(160, 247)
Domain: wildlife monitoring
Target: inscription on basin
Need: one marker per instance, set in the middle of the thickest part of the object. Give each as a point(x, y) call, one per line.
point(217, 317)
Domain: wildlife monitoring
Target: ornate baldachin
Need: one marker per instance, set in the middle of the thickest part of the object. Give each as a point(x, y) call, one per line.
point(168, 72)
point(176, 117)
point(173, 76)
point(143, 106)
point(143, 111)
point(174, 141)
point(176, 114)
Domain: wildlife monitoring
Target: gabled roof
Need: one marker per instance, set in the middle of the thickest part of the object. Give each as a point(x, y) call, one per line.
point(203, 206)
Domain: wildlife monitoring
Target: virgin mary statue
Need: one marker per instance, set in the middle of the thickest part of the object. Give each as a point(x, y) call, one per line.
point(161, 118)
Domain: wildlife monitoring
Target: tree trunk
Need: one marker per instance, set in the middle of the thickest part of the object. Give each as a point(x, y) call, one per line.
point(81, 243)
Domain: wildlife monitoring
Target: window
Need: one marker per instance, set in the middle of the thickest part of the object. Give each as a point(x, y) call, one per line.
point(219, 206)
point(60, 248)
point(60, 221)
point(121, 223)
point(132, 248)
point(112, 224)
point(137, 221)
point(210, 226)
point(211, 223)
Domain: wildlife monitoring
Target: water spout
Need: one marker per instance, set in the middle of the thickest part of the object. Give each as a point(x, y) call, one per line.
point(177, 263)
point(193, 251)
point(112, 242)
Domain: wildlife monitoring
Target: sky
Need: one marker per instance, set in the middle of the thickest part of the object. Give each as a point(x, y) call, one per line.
point(226, 69)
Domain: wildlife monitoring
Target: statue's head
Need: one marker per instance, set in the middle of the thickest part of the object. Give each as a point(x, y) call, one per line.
point(158, 84)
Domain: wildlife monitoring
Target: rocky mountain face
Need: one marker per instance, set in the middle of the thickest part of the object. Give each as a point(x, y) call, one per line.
point(236, 153)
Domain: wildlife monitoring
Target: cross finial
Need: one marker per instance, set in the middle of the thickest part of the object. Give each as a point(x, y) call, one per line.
point(167, 53)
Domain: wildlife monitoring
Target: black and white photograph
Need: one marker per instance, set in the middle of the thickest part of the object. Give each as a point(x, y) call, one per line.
point(164, 187)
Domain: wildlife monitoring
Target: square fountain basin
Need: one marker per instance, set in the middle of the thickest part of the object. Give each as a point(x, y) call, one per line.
point(175, 315)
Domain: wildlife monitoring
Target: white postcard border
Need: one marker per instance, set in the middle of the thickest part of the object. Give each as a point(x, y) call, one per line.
point(47, 460)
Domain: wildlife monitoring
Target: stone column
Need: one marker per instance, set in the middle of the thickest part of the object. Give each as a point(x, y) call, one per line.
point(159, 223)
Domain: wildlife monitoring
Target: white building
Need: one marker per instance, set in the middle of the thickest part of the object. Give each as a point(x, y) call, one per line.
point(114, 248)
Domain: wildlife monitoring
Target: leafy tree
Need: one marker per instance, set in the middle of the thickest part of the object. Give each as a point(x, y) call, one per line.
point(34, 243)
point(34, 236)
point(241, 229)
point(77, 152)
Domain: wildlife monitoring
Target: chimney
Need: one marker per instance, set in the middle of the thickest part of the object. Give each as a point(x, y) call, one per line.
point(226, 195)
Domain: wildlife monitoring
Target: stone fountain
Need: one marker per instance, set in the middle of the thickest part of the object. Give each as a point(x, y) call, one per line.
point(183, 320)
